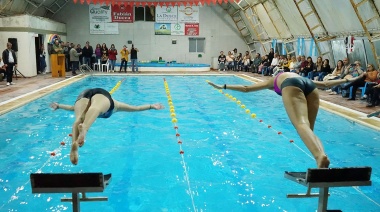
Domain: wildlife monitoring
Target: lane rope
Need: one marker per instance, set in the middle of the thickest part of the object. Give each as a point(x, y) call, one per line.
point(179, 141)
point(254, 116)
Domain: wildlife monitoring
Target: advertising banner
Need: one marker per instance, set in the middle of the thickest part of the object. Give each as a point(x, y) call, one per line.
point(192, 29)
point(162, 29)
point(178, 29)
point(96, 28)
point(166, 14)
point(122, 14)
point(188, 14)
point(99, 13)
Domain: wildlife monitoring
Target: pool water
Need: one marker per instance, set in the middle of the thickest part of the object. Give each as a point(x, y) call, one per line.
point(233, 162)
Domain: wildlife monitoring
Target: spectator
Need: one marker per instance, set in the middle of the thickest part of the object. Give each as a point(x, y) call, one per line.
point(325, 70)
point(292, 65)
point(256, 63)
point(104, 58)
point(222, 61)
point(271, 55)
point(2, 70)
point(230, 61)
point(74, 59)
point(369, 76)
point(247, 61)
point(87, 52)
point(317, 71)
point(304, 63)
point(239, 62)
point(79, 50)
point(134, 58)
point(265, 62)
point(124, 58)
point(309, 67)
point(374, 94)
point(112, 52)
point(42, 60)
point(235, 54)
point(66, 50)
point(273, 64)
point(57, 48)
point(10, 61)
point(98, 52)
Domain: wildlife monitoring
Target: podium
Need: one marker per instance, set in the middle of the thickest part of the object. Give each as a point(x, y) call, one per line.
point(57, 63)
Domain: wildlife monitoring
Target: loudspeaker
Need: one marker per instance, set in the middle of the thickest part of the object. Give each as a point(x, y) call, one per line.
point(13, 41)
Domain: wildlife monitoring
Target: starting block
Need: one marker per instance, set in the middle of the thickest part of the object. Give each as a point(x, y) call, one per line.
point(329, 177)
point(74, 183)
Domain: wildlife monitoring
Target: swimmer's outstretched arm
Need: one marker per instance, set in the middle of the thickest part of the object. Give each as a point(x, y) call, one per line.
point(330, 83)
point(119, 106)
point(245, 88)
point(56, 106)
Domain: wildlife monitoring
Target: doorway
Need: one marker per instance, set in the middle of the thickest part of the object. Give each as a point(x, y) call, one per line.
point(39, 40)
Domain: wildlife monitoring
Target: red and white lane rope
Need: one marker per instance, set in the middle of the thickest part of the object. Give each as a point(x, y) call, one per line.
point(179, 141)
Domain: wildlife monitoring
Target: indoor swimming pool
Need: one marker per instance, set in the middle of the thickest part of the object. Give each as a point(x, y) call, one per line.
point(231, 161)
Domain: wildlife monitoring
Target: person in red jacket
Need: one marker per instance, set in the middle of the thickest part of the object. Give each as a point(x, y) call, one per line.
point(112, 52)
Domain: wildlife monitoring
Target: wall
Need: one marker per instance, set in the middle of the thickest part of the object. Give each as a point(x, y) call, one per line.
point(215, 25)
point(25, 28)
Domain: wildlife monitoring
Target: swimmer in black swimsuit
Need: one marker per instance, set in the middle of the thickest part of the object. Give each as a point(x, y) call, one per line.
point(301, 101)
point(90, 105)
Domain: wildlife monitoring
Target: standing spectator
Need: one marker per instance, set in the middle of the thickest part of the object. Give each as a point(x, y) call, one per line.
point(10, 61)
point(112, 52)
point(124, 58)
point(246, 61)
point(87, 52)
point(74, 59)
point(66, 50)
point(98, 52)
point(79, 50)
point(256, 63)
point(236, 54)
point(134, 58)
point(42, 60)
point(2, 69)
point(222, 61)
point(239, 61)
point(57, 48)
point(271, 55)
point(104, 53)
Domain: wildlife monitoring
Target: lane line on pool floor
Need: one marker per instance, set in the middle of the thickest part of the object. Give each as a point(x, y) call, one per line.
point(253, 115)
point(179, 142)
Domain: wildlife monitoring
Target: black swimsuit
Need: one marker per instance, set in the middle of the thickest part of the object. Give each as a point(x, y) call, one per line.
point(89, 93)
point(305, 84)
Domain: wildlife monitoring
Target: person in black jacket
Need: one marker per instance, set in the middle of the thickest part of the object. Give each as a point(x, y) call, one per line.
point(87, 52)
point(10, 61)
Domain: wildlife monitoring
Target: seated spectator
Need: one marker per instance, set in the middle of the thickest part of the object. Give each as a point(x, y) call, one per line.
point(256, 63)
point(279, 66)
point(309, 67)
point(369, 76)
point(230, 61)
point(293, 65)
point(2, 69)
point(304, 63)
point(222, 61)
point(318, 67)
point(246, 61)
point(265, 62)
point(368, 91)
point(325, 70)
point(336, 74)
point(354, 71)
point(374, 94)
point(286, 64)
point(239, 62)
point(274, 64)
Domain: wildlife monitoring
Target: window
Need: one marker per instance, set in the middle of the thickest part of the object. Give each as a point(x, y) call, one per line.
point(145, 13)
point(197, 45)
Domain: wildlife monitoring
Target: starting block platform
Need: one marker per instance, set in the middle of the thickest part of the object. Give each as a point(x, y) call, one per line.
point(329, 177)
point(74, 183)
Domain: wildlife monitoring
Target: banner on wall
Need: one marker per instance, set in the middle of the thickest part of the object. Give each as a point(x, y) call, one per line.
point(167, 14)
point(104, 28)
point(188, 14)
point(162, 28)
point(121, 13)
point(178, 29)
point(99, 13)
point(192, 29)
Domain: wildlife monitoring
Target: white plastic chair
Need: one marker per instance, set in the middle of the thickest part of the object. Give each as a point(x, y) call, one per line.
point(106, 66)
point(97, 65)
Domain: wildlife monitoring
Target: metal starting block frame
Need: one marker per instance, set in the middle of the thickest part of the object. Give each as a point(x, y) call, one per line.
point(73, 183)
point(329, 177)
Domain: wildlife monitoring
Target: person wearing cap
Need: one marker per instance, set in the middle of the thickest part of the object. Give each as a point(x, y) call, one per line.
point(124, 58)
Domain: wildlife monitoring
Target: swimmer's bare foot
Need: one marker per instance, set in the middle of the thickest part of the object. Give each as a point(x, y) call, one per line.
point(323, 161)
point(74, 153)
point(82, 134)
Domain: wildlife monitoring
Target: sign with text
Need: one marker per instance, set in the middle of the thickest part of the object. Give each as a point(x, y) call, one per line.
point(96, 28)
point(166, 14)
point(162, 29)
point(192, 29)
point(188, 14)
point(178, 29)
point(122, 14)
point(99, 13)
